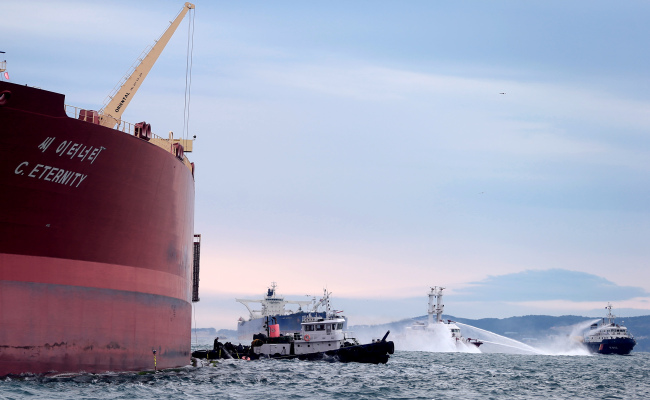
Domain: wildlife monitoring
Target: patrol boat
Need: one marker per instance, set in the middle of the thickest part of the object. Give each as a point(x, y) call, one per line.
point(608, 337)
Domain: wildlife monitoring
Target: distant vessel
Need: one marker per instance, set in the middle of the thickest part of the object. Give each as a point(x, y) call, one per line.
point(607, 337)
point(274, 305)
point(436, 307)
point(97, 244)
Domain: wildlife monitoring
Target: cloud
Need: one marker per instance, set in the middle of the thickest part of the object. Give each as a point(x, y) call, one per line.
point(531, 292)
point(552, 284)
point(65, 20)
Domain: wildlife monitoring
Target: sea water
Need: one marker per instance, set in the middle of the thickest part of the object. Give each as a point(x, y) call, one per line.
point(407, 375)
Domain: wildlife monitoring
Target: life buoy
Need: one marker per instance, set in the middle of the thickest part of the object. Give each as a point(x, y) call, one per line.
point(307, 337)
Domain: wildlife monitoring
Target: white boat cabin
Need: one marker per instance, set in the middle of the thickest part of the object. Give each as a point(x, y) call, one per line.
point(611, 331)
point(607, 329)
point(316, 335)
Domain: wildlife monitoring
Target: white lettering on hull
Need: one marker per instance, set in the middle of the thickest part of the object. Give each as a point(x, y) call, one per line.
point(51, 174)
point(61, 176)
point(79, 150)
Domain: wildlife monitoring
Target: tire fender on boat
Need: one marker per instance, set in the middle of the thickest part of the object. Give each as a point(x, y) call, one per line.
point(4, 97)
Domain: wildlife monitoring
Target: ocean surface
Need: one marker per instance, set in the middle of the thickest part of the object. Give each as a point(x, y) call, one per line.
point(407, 375)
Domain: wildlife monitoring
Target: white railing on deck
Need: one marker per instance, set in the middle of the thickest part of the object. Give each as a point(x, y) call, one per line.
point(129, 128)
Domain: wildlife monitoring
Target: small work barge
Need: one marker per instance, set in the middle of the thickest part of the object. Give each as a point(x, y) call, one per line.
point(224, 351)
point(320, 338)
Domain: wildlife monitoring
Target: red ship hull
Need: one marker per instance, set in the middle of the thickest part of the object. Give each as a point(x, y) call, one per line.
point(96, 232)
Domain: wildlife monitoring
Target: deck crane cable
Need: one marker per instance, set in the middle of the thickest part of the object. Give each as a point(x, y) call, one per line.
point(188, 75)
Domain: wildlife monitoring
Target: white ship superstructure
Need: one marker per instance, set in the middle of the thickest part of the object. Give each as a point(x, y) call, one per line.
point(273, 305)
point(435, 321)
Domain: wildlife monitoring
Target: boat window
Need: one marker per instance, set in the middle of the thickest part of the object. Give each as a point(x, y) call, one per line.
point(320, 327)
point(309, 327)
point(340, 325)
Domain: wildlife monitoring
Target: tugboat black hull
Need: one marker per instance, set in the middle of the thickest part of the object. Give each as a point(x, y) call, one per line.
point(372, 353)
point(612, 346)
point(375, 353)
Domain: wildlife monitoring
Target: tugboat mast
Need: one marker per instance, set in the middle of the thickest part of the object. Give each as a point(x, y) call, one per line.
point(328, 307)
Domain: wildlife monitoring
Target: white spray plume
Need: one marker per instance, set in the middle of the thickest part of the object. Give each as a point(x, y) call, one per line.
point(434, 338)
point(565, 344)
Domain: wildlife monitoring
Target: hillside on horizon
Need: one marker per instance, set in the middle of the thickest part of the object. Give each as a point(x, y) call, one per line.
point(529, 329)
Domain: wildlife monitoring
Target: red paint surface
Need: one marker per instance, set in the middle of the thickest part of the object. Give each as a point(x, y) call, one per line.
point(69, 328)
point(93, 276)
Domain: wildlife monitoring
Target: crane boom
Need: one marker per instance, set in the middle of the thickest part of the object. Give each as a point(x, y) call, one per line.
point(111, 114)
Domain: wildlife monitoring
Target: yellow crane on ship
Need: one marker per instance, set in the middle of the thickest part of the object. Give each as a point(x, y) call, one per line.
point(111, 114)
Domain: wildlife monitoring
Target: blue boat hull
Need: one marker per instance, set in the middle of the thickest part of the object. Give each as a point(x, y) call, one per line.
point(612, 346)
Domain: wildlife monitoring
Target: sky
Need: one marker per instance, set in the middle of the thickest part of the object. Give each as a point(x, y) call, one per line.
point(378, 148)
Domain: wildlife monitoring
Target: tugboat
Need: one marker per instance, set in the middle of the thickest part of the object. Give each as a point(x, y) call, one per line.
point(607, 337)
point(320, 338)
point(437, 309)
